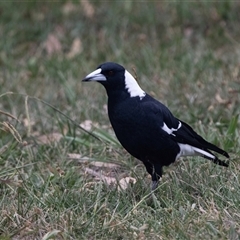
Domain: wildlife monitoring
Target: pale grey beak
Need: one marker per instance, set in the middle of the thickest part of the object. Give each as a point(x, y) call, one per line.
point(95, 76)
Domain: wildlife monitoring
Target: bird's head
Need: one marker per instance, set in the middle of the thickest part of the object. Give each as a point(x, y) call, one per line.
point(115, 77)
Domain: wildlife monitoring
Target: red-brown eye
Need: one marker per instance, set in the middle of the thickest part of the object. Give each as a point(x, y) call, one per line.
point(110, 73)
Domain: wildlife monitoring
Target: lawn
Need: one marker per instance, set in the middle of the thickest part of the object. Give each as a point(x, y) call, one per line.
point(63, 174)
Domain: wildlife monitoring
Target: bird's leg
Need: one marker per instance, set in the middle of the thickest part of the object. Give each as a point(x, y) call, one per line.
point(150, 169)
point(154, 185)
point(156, 175)
point(155, 171)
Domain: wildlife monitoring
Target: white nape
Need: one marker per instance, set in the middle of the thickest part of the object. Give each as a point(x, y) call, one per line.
point(171, 130)
point(132, 86)
point(188, 150)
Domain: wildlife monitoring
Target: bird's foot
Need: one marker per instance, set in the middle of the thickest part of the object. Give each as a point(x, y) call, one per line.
point(154, 185)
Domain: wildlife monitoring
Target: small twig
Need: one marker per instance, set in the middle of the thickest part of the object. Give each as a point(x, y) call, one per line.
point(28, 116)
point(3, 148)
point(8, 126)
point(9, 115)
point(7, 93)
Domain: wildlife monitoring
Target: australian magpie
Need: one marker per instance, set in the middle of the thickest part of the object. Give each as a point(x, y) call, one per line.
point(145, 127)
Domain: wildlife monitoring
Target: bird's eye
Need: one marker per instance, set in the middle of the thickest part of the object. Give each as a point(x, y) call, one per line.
point(110, 73)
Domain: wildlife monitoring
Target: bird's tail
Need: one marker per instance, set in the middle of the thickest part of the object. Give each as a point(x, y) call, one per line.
point(209, 155)
point(213, 158)
point(202, 147)
point(220, 162)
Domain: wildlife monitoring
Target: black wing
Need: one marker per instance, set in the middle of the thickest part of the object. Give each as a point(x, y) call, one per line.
point(185, 134)
point(181, 132)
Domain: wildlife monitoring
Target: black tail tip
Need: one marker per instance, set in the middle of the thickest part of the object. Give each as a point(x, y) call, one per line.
point(225, 154)
point(220, 162)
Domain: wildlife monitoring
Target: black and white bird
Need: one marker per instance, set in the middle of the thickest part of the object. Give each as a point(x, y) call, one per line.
point(145, 127)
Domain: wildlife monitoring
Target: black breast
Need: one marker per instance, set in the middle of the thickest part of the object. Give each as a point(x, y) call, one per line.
point(140, 133)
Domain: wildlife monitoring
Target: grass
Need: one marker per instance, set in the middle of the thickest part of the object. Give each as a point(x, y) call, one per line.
point(186, 54)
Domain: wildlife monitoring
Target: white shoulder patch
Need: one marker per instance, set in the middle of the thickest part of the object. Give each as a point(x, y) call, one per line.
point(171, 130)
point(132, 86)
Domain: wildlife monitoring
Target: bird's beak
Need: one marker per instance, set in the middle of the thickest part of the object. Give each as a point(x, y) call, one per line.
point(95, 76)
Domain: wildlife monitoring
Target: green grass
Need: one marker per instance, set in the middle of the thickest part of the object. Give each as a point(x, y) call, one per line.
point(186, 54)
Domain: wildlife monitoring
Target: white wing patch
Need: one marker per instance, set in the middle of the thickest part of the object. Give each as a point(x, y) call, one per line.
point(132, 86)
point(188, 150)
point(171, 130)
